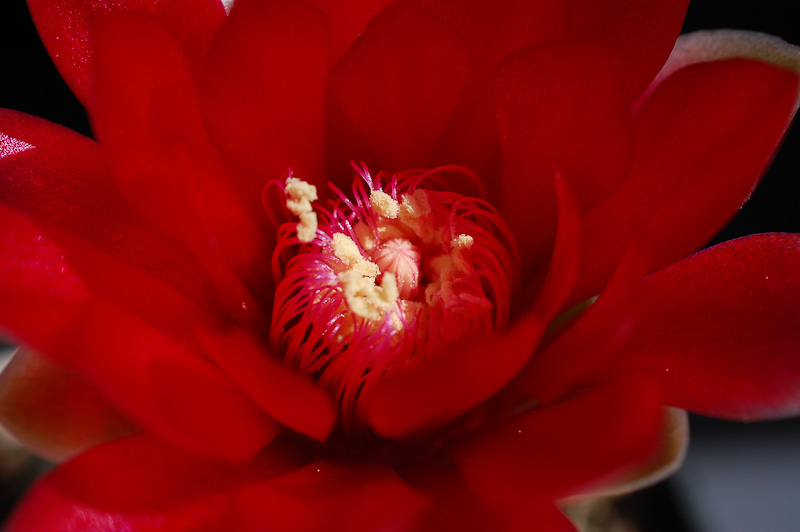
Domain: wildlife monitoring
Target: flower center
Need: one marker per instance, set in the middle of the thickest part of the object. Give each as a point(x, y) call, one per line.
point(386, 282)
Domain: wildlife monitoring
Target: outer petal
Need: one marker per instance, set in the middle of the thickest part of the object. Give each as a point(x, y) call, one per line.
point(490, 31)
point(64, 27)
point(706, 132)
point(139, 484)
point(457, 508)
point(719, 329)
point(562, 449)
point(358, 497)
point(264, 88)
point(185, 399)
point(60, 180)
point(668, 459)
point(393, 92)
point(713, 45)
point(142, 372)
point(559, 110)
point(639, 34)
point(54, 411)
point(582, 345)
point(146, 114)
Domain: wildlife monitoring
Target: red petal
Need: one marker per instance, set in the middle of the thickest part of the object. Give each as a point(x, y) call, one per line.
point(61, 181)
point(457, 508)
point(714, 45)
point(347, 21)
point(392, 93)
point(139, 484)
point(64, 27)
point(559, 450)
point(142, 372)
point(458, 381)
point(668, 459)
point(350, 496)
point(702, 142)
point(281, 392)
point(146, 114)
point(588, 343)
point(490, 31)
point(53, 410)
point(559, 109)
point(42, 295)
point(563, 270)
point(264, 88)
point(186, 400)
point(719, 329)
point(639, 34)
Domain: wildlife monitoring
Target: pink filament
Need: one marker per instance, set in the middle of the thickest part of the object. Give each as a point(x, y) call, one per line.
point(347, 354)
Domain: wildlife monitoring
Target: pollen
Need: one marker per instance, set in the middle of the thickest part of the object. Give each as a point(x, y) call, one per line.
point(347, 251)
point(364, 298)
point(299, 196)
point(415, 205)
point(398, 274)
point(383, 204)
point(462, 241)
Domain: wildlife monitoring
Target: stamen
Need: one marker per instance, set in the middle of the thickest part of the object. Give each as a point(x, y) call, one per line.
point(462, 241)
point(364, 298)
point(383, 204)
point(299, 196)
point(347, 251)
point(389, 279)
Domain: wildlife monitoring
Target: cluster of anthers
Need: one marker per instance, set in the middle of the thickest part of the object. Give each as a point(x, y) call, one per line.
point(386, 282)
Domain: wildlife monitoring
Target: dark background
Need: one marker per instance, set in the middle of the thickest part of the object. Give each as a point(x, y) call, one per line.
point(738, 477)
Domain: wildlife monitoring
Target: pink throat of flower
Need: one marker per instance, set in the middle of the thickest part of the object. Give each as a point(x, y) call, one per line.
point(384, 283)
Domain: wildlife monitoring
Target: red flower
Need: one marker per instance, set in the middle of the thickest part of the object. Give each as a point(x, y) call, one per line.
point(164, 295)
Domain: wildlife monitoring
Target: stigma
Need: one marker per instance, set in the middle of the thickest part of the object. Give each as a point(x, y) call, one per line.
point(383, 281)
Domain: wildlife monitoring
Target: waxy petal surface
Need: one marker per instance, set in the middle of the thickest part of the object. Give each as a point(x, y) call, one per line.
point(264, 88)
point(563, 270)
point(490, 31)
point(170, 173)
point(714, 45)
point(65, 29)
point(706, 132)
point(340, 497)
point(638, 34)
point(562, 449)
point(61, 181)
point(142, 372)
point(586, 338)
point(393, 91)
point(54, 411)
point(719, 329)
point(667, 460)
point(458, 381)
point(280, 391)
point(347, 21)
point(141, 484)
point(559, 111)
